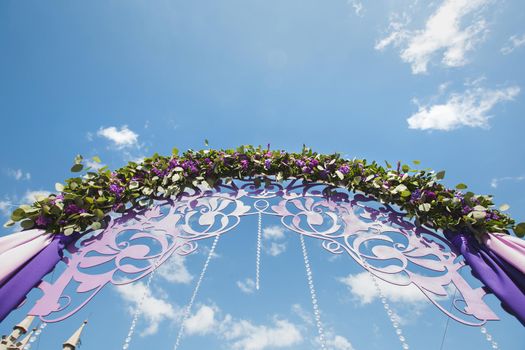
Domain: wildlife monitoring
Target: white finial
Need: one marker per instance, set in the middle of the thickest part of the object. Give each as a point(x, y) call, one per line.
point(73, 341)
point(25, 325)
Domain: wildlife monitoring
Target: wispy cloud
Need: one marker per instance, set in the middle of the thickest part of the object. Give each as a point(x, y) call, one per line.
point(513, 43)
point(5, 207)
point(444, 34)
point(18, 174)
point(247, 286)
point(155, 309)
point(357, 6)
point(469, 108)
point(175, 271)
point(363, 289)
point(201, 322)
point(121, 138)
point(273, 235)
point(494, 183)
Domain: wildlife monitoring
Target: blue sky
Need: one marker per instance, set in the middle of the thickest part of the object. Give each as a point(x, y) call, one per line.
point(441, 82)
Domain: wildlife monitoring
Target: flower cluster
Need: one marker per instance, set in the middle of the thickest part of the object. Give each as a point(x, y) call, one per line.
point(84, 203)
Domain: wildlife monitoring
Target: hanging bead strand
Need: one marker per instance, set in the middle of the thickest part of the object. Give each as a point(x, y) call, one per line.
point(138, 310)
point(258, 258)
point(195, 291)
point(394, 318)
point(313, 294)
point(35, 335)
point(489, 338)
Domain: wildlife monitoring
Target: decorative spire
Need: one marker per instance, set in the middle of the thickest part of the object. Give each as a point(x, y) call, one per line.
point(25, 325)
point(74, 340)
point(25, 341)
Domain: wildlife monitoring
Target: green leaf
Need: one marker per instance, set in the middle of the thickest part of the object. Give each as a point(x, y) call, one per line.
point(9, 223)
point(461, 186)
point(77, 168)
point(69, 231)
point(440, 175)
point(504, 207)
point(27, 224)
point(424, 207)
point(206, 143)
point(175, 151)
point(18, 214)
point(96, 225)
point(99, 214)
point(59, 187)
point(416, 162)
point(405, 194)
point(96, 159)
point(405, 168)
point(519, 229)
point(339, 174)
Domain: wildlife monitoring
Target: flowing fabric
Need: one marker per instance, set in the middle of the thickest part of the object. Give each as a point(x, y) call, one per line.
point(18, 248)
point(501, 278)
point(509, 248)
point(15, 289)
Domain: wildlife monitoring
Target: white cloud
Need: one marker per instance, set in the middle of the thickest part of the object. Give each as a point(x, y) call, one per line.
point(175, 271)
point(357, 6)
point(469, 108)
point(247, 286)
point(32, 196)
point(494, 183)
point(154, 309)
point(18, 174)
point(362, 287)
point(339, 343)
point(121, 138)
point(5, 207)
point(244, 335)
point(94, 165)
point(444, 34)
point(276, 248)
point(202, 322)
point(513, 43)
point(273, 232)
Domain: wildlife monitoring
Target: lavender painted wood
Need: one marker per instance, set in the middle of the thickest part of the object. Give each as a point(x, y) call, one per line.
point(347, 224)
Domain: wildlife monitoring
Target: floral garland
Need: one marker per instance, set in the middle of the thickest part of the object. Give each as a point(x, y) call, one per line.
point(84, 203)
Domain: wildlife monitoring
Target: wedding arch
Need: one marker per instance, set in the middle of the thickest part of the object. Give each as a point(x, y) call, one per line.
point(398, 223)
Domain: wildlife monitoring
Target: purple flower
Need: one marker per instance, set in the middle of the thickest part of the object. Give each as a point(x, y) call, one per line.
point(244, 164)
point(73, 209)
point(116, 189)
point(306, 170)
point(42, 221)
point(300, 163)
point(466, 209)
point(267, 163)
point(314, 162)
point(345, 169)
point(415, 196)
point(430, 195)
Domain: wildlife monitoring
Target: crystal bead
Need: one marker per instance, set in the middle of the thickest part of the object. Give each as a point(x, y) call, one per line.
point(401, 338)
point(398, 331)
point(405, 346)
point(125, 346)
point(483, 330)
point(489, 337)
point(32, 339)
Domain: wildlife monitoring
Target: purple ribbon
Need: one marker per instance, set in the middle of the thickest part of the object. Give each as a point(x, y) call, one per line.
point(499, 277)
point(15, 289)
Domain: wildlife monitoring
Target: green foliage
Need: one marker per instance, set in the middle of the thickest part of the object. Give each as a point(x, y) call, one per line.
point(83, 203)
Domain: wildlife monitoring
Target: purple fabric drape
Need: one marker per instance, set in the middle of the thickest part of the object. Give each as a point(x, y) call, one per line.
point(500, 278)
point(15, 289)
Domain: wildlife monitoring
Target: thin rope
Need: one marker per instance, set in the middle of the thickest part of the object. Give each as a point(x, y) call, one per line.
point(258, 258)
point(313, 294)
point(138, 310)
point(195, 291)
point(448, 319)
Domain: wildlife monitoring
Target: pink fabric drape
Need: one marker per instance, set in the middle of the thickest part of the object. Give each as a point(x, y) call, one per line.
point(18, 248)
point(509, 248)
